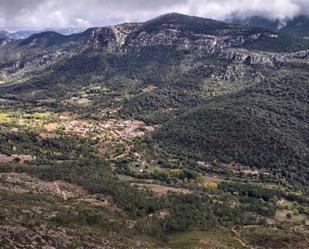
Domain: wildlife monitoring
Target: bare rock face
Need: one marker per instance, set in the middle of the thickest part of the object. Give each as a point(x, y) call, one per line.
point(102, 38)
point(110, 39)
point(122, 32)
point(171, 36)
point(269, 59)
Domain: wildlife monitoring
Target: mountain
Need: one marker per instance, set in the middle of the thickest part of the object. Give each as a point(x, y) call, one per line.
point(179, 132)
point(21, 34)
point(296, 26)
point(18, 35)
point(67, 31)
point(170, 31)
point(4, 34)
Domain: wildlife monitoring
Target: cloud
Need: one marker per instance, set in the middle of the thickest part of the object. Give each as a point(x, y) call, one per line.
point(276, 9)
point(38, 14)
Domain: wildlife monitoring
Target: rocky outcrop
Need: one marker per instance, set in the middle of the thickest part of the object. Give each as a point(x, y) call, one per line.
point(122, 32)
point(103, 38)
point(172, 36)
point(270, 59)
point(4, 42)
point(111, 39)
point(12, 67)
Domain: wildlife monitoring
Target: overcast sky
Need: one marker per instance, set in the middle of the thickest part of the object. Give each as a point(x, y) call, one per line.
point(39, 14)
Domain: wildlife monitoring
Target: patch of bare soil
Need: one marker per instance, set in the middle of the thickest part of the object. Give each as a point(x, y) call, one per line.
point(109, 113)
point(14, 130)
point(23, 183)
point(16, 158)
point(149, 88)
point(101, 201)
point(78, 100)
point(236, 237)
point(282, 215)
point(48, 135)
point(51, 127)
point(161, 190)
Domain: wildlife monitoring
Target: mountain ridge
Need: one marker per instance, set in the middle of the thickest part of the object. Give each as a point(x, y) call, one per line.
point(172, 30)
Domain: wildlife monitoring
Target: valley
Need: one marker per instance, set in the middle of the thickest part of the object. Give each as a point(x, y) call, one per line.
point(180, 132)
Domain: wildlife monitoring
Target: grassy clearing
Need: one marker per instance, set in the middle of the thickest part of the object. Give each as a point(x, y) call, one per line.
point(26, 120)
point(6, 118)
point(160, 189)
point(288, 215)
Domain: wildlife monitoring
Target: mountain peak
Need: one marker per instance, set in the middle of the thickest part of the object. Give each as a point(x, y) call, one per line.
point(46, 39)
point(175, 17)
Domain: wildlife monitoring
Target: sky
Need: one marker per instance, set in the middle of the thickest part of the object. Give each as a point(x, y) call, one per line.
point(40, 14)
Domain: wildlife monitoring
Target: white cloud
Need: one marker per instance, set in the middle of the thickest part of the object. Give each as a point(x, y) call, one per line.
point(37, 14)
point(276, 9)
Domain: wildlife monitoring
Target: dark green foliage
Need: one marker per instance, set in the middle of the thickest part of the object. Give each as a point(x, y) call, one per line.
point(186, 23)
point(250, 190)
point(45, 39)
point(264, 208)
point(298, 198)
point(250, 127)
point(233, 216)
point(254, 198)
point(188, 212)
point(281, 42)
point(63, 148)
point(83, 217)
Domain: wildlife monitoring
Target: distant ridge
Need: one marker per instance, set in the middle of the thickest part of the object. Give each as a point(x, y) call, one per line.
point(297, 26)
point(18, 35)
